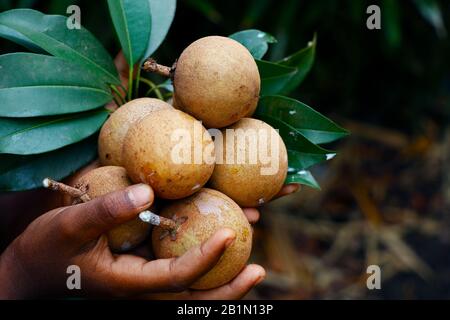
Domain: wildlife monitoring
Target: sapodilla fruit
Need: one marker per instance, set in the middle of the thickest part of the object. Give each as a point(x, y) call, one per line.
point(113, 132)
point(170, 151)
point(216, 80)
point(104, 180)
point(206, 211)
point(251, 163)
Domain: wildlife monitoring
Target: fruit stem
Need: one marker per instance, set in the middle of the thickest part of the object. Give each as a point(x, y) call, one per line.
point(64, 188)
point(150, 65)
point(146, 216)
point(154, 219)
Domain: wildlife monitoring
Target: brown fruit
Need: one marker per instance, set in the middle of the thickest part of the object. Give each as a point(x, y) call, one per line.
point(104, 180)
point(160, 151)
point(113, 132)
point(217, 81)
point(206, 211)
point(257, 178)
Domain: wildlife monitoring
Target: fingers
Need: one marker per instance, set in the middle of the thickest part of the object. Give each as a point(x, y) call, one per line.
point(287, 190)
point(251, 276)
point(89, 220)
point(248, 278)
point(252, 215)
point(175, 274)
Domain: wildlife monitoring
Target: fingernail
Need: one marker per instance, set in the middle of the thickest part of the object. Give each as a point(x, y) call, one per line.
point(295, 187)
point(140, 195)
point(230, 239)
point(229, 242)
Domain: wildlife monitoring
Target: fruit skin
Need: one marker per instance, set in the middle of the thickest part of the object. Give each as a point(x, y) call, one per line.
point(207, 211)
point(147, 154)
point(116, 127)
point(217, 81)
point(104, 180)
point(244, 182)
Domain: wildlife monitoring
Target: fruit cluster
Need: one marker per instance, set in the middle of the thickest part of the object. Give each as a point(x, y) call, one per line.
point(216, 81)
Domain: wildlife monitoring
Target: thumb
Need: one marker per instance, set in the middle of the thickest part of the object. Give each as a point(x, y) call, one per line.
point(87, 221)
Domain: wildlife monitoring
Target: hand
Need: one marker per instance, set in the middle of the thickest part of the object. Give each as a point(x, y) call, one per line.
point(36, 262)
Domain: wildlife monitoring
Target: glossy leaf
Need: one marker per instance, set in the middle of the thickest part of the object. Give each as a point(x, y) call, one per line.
point(132, 20)
point(432, 13)
point(39, 135)
point(50, 33)
point(313, 125)
point(162, 13)
point(18, 173)
point(293, 139)
point(302, 160)
point(274, 77)
point(302, 61)
point(303, 177)
point(18, 38)
point(40, 85)
point(302, 153)
point(255, 41)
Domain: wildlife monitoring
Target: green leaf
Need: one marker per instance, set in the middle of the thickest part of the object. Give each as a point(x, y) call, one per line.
point(38, 135)
point(132, 21)
point(302, 153)
point(313, 125)
point(293, 139)
point(430, 10)
point(39, 85)
point(255, 41)
point(19, 38)
point(18, 173)
point(50, 33)
point(303, 177)
point(274, 77)
point(302, 160)
point(162, 12)
point(302, 61)
point(391, 21)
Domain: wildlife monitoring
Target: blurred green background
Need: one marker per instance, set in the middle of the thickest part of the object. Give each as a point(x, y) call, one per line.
point(385, 199)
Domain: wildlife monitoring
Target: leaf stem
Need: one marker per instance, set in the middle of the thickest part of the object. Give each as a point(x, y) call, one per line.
point(116, 102)
point(114, 88)
point(138, 80)
point(123, 88)
point(153, 87)
point(130, 82)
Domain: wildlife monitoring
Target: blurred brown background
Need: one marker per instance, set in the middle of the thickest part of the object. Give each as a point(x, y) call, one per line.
point(385, 198)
